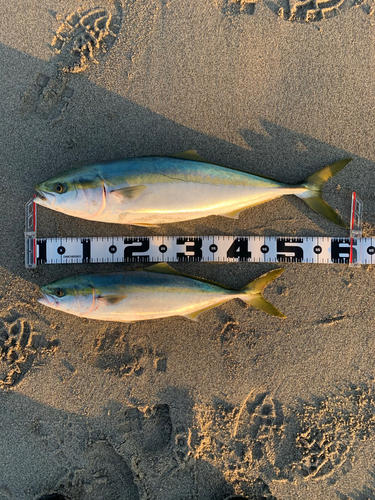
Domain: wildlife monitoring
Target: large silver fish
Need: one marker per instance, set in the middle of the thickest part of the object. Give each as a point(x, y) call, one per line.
point(154, 190)
point(156, 292)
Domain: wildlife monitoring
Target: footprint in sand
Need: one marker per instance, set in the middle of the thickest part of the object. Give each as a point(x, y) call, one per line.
point(328, 432)
point(85, 36)
point(158, 449)
point(48, 97)
point(113, 352)
point(298, 10)
point(149, 429)
point(260, 423)
point(244, 441)
point(236, 7)
point(314, 441)
point(331, 428)
point(116, 352)
point(182, 444)
point(313, 10)
point(19, 348)
point(104, 475)
point(111, 477)
point(83, 39)
point(156, 428)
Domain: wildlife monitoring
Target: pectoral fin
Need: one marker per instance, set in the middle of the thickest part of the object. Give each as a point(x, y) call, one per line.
point(128, 193)
point(110, 300)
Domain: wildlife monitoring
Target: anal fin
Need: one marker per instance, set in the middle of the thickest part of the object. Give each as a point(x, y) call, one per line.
point(194, 315)
point(234, 214)
point(143, 224)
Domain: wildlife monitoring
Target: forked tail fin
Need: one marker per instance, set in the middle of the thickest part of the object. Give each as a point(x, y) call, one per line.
point(254, 293)
point(315, 184)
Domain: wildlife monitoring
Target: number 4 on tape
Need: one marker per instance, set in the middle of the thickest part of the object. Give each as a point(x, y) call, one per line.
point(353, 250)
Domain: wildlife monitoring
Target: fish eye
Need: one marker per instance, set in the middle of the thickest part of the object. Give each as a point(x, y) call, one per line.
point(59, 188)
point(59, 292)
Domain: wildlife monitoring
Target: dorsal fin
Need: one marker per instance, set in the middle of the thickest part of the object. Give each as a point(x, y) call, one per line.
point(191, 154)
point(164, 268)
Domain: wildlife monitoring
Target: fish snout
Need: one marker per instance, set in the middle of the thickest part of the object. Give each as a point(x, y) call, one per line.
point(47, 300)
point(44, 198)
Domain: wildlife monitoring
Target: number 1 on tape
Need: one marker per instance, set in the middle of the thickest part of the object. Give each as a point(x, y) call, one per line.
point(353, 250)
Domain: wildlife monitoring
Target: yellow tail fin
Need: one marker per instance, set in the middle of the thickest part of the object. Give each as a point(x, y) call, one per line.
point(254, 291)
point(315, 184)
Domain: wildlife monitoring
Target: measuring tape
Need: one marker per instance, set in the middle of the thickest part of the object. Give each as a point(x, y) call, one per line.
point(353, 250)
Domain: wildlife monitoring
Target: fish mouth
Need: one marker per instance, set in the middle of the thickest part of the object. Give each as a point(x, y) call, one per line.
point(47, 300)
point(44, 198)
point(40, 194)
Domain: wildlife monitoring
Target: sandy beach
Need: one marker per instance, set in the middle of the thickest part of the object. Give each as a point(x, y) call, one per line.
point(238, 403)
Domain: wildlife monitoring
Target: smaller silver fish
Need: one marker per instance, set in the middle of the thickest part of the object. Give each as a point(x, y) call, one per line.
point(156, 292)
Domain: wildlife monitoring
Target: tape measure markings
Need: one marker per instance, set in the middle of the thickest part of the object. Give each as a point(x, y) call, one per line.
point(353, 250)
point(203, 249)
